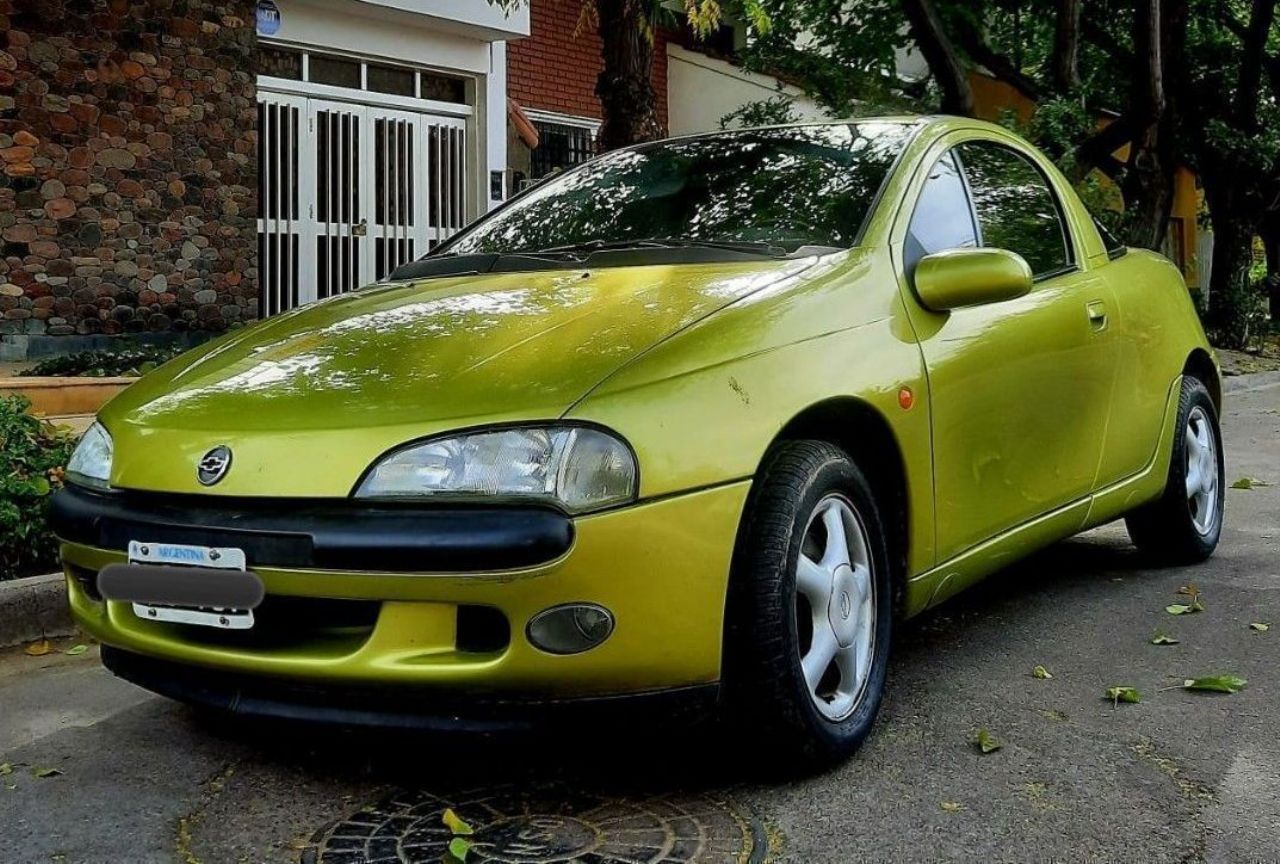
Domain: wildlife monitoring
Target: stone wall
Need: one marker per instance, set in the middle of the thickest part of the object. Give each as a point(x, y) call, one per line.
point(128, 167)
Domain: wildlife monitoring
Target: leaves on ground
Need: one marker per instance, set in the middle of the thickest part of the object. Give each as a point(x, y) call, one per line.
point(38, 649)
point(459, 848)
point(76, 649)
point(985, 743)
point(6, 768)
point(42, 773)
point(1260, 626)
point(952, 806)
point(1249, 483)
point(1162, 638)
point(1123, 694)
point(1215, 684)
point(1042, 673)
point(1195, 604)
point(455, 823)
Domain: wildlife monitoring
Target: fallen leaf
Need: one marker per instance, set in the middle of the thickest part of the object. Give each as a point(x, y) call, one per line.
point(1259, 626)
point(1215, 683)
point(38, 649)
point(460, 848)
point(76, 649)
point(42, 773)
point(5, 768)
point(952, 806)
point(1161, 638)
point(984, 742)
point(1189, 590)
point(455, 823)
point(1041, 673)
point(1249, 483)
point(1123, 694)
point(1196, 605)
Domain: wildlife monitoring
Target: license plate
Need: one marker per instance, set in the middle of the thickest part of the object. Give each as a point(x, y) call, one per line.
point(196, 557)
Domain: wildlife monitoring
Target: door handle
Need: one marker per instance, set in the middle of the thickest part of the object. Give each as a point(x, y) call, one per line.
point(1097, 314)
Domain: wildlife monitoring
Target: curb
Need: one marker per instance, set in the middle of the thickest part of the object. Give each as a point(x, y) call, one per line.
point(33, 608)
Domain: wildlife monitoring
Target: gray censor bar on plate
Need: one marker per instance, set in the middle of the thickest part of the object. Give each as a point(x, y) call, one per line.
point(197, 587)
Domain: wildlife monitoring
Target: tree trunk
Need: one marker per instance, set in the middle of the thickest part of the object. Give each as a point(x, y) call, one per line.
point(1270, 233)
point(940, 54)
point(1066, 46)
point(1255, 44)
point(625, 84)
point(1148, 186)
point(1229, 300)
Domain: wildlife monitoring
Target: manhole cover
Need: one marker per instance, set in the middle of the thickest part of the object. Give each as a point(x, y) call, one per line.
point(515, 827)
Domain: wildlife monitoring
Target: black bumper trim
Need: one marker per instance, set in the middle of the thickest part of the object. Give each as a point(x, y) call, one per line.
point(398, 707)
point(324, 534)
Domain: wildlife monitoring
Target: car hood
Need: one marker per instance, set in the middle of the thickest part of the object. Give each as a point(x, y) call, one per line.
point(343, 380)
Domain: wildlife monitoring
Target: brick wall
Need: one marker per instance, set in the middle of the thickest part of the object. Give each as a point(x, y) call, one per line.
point(128, 166)
point(555, 70)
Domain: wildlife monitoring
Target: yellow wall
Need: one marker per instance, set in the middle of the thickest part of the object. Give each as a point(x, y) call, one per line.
point(993, 98)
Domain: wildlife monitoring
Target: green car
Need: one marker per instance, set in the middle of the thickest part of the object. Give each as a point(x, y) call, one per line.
point(697, 422)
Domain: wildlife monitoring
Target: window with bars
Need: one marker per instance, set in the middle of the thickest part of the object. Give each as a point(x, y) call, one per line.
point(560, 146)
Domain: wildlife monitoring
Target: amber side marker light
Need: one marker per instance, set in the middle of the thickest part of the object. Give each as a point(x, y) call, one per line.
point(906, 398)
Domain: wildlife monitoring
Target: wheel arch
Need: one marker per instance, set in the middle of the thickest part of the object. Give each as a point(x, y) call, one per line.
point(861, 431)
point(1200, 366)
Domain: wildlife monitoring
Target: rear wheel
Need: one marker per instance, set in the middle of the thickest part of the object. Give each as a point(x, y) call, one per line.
point(810, 608)
point(1183, 526)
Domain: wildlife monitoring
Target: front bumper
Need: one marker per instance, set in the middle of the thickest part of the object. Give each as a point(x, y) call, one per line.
point(661, 567)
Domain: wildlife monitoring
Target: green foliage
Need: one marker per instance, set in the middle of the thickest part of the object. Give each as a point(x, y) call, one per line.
point(773, 111)
point(131, 360)
point(32, 458)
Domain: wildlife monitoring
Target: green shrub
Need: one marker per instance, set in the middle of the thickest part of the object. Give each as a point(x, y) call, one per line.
point(131, 360)
point(32, 457)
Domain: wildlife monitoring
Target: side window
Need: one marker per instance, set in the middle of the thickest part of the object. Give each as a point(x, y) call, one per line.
point(1016, 208)
point(942, 218)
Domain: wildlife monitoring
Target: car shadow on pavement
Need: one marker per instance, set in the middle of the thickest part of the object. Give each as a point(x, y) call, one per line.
point(648, 753)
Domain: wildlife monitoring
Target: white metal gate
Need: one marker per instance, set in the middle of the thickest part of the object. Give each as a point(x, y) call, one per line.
point(349, 192)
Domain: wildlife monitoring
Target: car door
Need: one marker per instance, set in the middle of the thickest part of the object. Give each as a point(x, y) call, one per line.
point(1020, 389)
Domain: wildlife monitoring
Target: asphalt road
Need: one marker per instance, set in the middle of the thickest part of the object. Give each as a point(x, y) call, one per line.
point(1179, 777)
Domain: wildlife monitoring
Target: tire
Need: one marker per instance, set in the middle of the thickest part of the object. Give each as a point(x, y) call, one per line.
point(771, 621)
point(1182, 526)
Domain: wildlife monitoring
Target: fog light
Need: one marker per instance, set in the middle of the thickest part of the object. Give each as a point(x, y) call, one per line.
point(570, 629)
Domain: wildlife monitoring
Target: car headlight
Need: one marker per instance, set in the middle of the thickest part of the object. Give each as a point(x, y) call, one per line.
point(90, 463)
point(574, 467)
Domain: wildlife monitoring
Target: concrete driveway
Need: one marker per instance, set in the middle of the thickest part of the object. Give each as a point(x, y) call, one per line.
point(1179, 777)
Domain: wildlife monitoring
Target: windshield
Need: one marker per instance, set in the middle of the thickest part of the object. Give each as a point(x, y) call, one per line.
point(787, 187)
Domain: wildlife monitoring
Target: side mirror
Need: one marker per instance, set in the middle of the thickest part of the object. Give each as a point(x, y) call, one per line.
point(969, 277)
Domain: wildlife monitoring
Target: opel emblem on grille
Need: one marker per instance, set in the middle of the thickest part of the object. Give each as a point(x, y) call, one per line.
point(213, 466)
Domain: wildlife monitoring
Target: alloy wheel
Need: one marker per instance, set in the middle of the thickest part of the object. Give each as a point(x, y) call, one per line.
point(1202, 470)
point(835, 608)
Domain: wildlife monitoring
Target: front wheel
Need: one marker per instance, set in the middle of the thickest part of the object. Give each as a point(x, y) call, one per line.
point(810, 607)
point(1183, 526)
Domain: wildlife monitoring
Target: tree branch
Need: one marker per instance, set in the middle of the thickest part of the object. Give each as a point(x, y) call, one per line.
point(1255, 45)
point(940, 54)
point(996, 63)
point(1066, 46)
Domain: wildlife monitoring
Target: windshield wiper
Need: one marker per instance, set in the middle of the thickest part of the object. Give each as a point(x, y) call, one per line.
point(758, 246)
point(747, 246)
